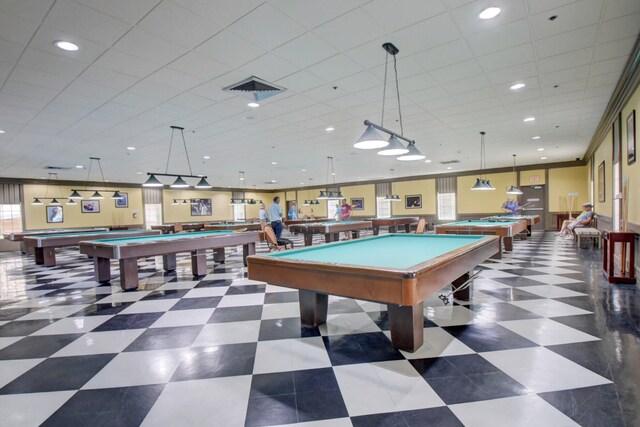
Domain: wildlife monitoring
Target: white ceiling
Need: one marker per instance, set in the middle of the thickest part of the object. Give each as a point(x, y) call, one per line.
point(144, 65)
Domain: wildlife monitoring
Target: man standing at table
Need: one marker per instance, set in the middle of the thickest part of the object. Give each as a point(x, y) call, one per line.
point(275, 216)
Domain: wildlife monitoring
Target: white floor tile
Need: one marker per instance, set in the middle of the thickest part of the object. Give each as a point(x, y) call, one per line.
point(33, 303)
point(12, 369)
point(552, 270)
point(54, 312)
point(124, 297)
point(542, 370)
point(187, 284)
point(7, 341)
point(183, 318)
point(31, 409)
point(362, 390)
point(207, 292)
point(335, 422)
point(547, 332)
point(407, 388)
point(520, 411)
point(153, 306)
point(449, 315)
point(241, 300)
point(347, 324)
point(73, 325)
point(549, 308)
point(290, 354)
point(437, 343)
point(228, 333)
point(281, 311)
point(100, 343)
point(273, 289)
point(495, 274)
point(550, 291)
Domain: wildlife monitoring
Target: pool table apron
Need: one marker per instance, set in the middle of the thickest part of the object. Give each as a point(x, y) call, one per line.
point(506, 233)
point(393, 223)
point(19, 237)
point(331, 232)
point(253, 226)
point(128, 254)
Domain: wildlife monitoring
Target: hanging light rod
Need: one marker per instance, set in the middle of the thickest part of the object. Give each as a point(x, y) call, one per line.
point(176, 175)
point(390, 132)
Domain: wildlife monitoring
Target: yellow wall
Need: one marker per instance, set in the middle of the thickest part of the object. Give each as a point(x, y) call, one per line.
point(368, 192)
point(291, 196)
point(316, 210)
point(484, 202)
point(534, 177)
point(604, 153)
point(35, 217)
point(251, 211)
point(220, 200)
point(632, 171)
point(426, 187)
point(563, 181)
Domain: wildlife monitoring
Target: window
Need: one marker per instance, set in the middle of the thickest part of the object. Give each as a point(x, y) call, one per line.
point(10, 219)
point(238, 213)
point(332, 208)
point(383, 207)
point(447, 206)
point(153, 214)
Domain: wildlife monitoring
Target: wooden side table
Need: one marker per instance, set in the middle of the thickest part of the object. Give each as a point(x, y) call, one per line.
point(627, 241)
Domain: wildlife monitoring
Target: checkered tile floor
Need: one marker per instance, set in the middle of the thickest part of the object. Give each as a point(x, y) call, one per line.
point(544, 342)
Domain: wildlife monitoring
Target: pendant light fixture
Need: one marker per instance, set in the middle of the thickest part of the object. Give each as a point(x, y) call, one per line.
point(71, 202)
point(372, 139)
point(514, 190)
point(482, 184)
point(54, 202)
point(75, 194)
point(326, 195)
point(37, 201)
point(392, 197)
point(153, 181)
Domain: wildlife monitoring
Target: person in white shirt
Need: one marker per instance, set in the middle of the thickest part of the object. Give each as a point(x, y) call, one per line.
point(275, 216)
point(263, 216)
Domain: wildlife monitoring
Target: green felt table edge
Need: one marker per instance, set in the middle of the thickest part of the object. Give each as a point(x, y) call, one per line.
point(83, 233)
point(166, 236)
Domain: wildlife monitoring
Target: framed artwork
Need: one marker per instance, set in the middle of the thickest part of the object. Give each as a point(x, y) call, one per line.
point(201, 207)
point(357, 203)
point(90, 206)
point(124, 202)
point(615, 131)
point(601, 193)
point(55, 214)
point(631, 138)
point(413, 202)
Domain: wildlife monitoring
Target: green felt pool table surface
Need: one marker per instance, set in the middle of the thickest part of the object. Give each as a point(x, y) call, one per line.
point(398, 251)
point(480, 223)
point(161, 237)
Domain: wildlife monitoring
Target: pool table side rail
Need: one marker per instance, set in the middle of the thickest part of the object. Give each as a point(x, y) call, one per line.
point(334, 227)
point(374, 284)
point(73, 240)
point(20, 235)
point(395, 221)
point(499, 229)
point(162, 247)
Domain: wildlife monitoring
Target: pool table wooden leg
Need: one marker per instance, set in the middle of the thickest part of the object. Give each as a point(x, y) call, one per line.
point(129, 274)
point(39, 255)
point(508, 243)
point(199, 262)
point(169, 262)
point(218, 255)
point(376, 231)
point(499, 254)
point(465, 294)
point(407, 228)
point(355, 234)
point(248, 249)
point(102, 269)
point(49, 257)
point(23, 247)
point(393, 229)
point(524, 235)
point(313, 307)
point(308, 239)
point(406, 323)
point(331, 237)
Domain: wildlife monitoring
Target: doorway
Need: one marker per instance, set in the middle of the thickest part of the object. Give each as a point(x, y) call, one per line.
point(533, 201)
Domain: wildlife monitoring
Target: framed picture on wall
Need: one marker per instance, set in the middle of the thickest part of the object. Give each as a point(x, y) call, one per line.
point(90, 206)
point(357, 203)
point(124, 201)
point(413, 202)
point(55, 214)
point(631, 138)
point(601, 178)
point(201, 207)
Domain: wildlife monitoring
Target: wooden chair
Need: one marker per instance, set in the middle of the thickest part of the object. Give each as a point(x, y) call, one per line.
point(272, 241)
point(177, 228)
point(422, 224)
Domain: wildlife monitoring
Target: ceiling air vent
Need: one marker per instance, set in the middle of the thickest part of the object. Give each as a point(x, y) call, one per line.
point(255, 88)
point(58, 168)
point(448, 162)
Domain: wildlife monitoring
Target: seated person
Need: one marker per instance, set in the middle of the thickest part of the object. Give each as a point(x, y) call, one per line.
point(511, 207)
point(583, 220)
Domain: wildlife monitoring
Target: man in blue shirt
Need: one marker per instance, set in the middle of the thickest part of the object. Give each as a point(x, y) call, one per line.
point(511, 206)
point(275, 216)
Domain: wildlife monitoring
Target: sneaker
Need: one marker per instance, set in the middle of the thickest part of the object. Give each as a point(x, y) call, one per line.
point(568, 237)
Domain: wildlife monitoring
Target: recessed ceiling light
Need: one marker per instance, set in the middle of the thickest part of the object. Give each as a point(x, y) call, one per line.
point(530, 119)
point(330, 129)
point(138, 173)
point(543, 158)
point(131, 148)
point(1, 131)
point(536, 137)
point(449, 168)
point(517, 86)
point(303, 170)
point(490, 12)
point(253, 105)
point(66, 45)
point(79, 166)
point(273, 181)
point(333, 174)
point(241, 178)
point(540, 149)
point(206, 157)
point(302, 183)
point(274, 163)
point(427, 161)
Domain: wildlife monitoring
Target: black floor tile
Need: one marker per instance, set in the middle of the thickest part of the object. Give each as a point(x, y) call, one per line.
point(162, 338)
point(124, 406)
point(436, 417)
point(168, 294)
point(278, 329)
point(20, 328)
point(435, 367)
point(271, 410)
point(390, 419)
point(471, 388)
point(590, 406)
point(226, 360)
point(471, 364)
point(246, 289)
point(272, 384)
point(488, 337)
point(218, 283)
point(129, 321)
point(381, 318)
point(587, 323)
point(591, 354)
point(195, 303)
point(499, 312)
point(360, 348)
point(281, 297)
point(236, 314)
point(37, 346)
point(102, 309)
point(320, 405)
point(583, 302)
point(58, 373)
point(322, 379)
point(517, 281)
point(15, 313)
point(510, 294)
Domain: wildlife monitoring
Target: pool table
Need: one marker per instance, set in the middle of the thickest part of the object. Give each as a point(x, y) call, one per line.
point(128, 250)
point(399, 270)
point(393, 223)
point(330, 229)
point(230, 226)
point(531, 219)
point(19, 236)
point(288, 222)
point(44, 246)
point(174, 228)
point(505, 229)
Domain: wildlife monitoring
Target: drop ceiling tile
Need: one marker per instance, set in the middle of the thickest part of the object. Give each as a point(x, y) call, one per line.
point(570, 17)
point(507, 57)
point(349, 30)
point(613, 49)
point(567, 42)
point(466, 17)
point(616, 9)
point(266, 27)
point(569, 86)
point(269, 68)
point(135, 101)
point(223, 12)
point(393, 16)
point(567, 60)
point(427, 95)
point(199, 66)
point(21, 102)
point(335, 68)
point(28, 90)
point(174, 79)
point(444, 55)
point(466, 85)
point(305, 50)
point(563, 76)
point(107, 78)
point(15, 29)
point(88, 52)
point(153, 90)
point(508, 35)
point(462, 70)
point(358, 82)
point(85, 22)
point(599, 91)
point(511, 75)
point(178, 25)
point(230, 49)
point(614, 65)
point(620, 28)
point(101, 93)
point(520, 97)
point(149, 47)
point(31, 10)
point(40, 78)
point(300, 82)
point(124, 63)
point(426, 34)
